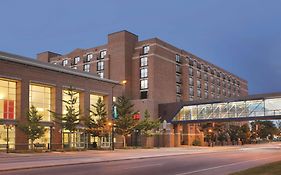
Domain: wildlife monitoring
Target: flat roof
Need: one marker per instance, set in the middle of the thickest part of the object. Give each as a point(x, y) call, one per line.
point(35, 63)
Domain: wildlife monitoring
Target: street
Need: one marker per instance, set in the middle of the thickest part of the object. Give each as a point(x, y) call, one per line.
point(204, 163)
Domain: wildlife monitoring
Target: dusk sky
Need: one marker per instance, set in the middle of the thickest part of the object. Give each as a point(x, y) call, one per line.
point(241, 36)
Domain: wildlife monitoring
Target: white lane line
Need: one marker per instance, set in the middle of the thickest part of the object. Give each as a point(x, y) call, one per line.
point(221, 166)
point(142, 166)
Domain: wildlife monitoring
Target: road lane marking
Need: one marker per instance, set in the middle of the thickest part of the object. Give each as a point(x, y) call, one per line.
point(221, 166)
point(143, 166)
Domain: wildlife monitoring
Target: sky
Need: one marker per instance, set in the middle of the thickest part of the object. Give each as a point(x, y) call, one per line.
point(241, 36)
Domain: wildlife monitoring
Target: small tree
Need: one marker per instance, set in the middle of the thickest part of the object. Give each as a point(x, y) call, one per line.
point(96, 123)
point(70, 120)
point(147, 125)
point(125, 122)
point(32, 128)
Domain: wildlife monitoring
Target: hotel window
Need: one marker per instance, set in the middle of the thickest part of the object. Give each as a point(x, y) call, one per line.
point(7, 99)
point(143, 95)
point(76, 60)
point(212, 80)
point(218, 90)
point(191, 81)
point(143, 61)
point(89, 57)
point(146, 49)
point(100, 65)
point(74, 67)
point(199, 93)
point(101, 74)
point(212, 88)
point(198, 74)
point(206, 94)
point(206, 77)
point(102, 54)
point(64, 62)
point(191, 91)
point(144, 84)
point(143, 72)
point(198, 66)
point(198, 83)
point(218, 82)
point(86, 67)
point(190, 71)
point(206, 86)
point(178, 58)
point(223, 92)
point(178, 79)
point(223, 84)
point(178, 89)
point(178, 98)
point(212, 95)
point(190, 61)
point(40, 98)
point(178, 68)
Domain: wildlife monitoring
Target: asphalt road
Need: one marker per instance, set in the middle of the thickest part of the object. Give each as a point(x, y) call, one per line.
point(217, 163)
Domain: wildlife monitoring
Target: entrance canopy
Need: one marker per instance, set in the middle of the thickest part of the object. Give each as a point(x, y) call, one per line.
point(254, 107)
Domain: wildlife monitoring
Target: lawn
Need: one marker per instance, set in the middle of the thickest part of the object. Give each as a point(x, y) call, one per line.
point(268, 169)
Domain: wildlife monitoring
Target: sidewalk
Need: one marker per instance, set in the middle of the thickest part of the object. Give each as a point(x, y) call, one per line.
point(35, 160)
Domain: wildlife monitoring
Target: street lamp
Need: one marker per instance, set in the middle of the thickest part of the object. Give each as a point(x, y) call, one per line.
point(123, 83)
point(7, 127)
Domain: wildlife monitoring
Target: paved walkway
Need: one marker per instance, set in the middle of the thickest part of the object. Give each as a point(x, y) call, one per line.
point(14, 161)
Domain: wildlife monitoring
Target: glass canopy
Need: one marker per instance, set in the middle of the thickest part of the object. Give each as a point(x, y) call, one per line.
point(230, 110)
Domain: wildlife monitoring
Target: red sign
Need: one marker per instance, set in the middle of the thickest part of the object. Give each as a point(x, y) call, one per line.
point(136, 116)
point(9, 110)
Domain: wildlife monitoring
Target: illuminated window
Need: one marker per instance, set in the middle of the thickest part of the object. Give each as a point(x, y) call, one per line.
point(100, 65)
point(40, 98)
point(102, 54)
point(146, 49)
point(143, 61)
point(7, 99)
point(64, 62)
point(93, 100)
point(66, 97)
point(89, 57)
point(144, 84)
point(76, 60)
point(86, 67)
point(143, 73)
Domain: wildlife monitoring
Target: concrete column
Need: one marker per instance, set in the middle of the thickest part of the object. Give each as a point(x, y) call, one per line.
point(56, 105)
point(22, 104)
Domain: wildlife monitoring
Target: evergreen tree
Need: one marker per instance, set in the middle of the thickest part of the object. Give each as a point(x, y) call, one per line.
point(96, 123)
point(32, 128)
point(147, 125)
point(125, 122)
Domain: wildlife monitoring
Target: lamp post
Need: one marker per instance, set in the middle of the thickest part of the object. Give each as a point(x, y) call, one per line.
point(114, 111)
point(7, 127)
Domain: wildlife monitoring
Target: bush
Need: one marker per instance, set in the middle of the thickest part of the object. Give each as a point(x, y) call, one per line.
point(196, 143)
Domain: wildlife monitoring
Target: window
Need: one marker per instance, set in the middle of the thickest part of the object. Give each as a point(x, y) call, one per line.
point(40, 98)
point(212, 80)
point(93, 100)
point(86, 67)
point(198, 74)
point(178, 98)
point(178, 79)
point(198, 84)
point(178, 89)
point(191, 91)
point(206, 77)
point(102, 54)
point(144, 84)
point(101, 74)
point(218, 90)
point(191, 81)
point(89, 57)
point(178, 58)
point(190, 61)
point(143, 61)
point(64, 62)
point(146, 49)
point(76, 60)
point(206, 85)
point(212, 88)
point(143, 95)
point(206, 94)
point(218, 82)
point(143, 73)
point(178, 68)
point(7, 99)
point(74, 67)
point(199, 93)
point(190, 71)
point(100, 65)
point(66, 97)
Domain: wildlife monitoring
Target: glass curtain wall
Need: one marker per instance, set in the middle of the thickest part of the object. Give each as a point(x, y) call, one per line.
point(239, 109)
point(7, 112)
point(40, 98)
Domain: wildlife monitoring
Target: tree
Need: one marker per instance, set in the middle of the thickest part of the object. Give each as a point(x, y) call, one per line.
point(233, 133)
point(96, 123)
point(264, 129)
point(244, 133)
point(125, 122)
point(33, 128)
point(70, 120)
point(147, 125)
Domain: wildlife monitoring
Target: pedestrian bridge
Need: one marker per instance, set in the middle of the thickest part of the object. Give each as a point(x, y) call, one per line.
point(254, 107)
